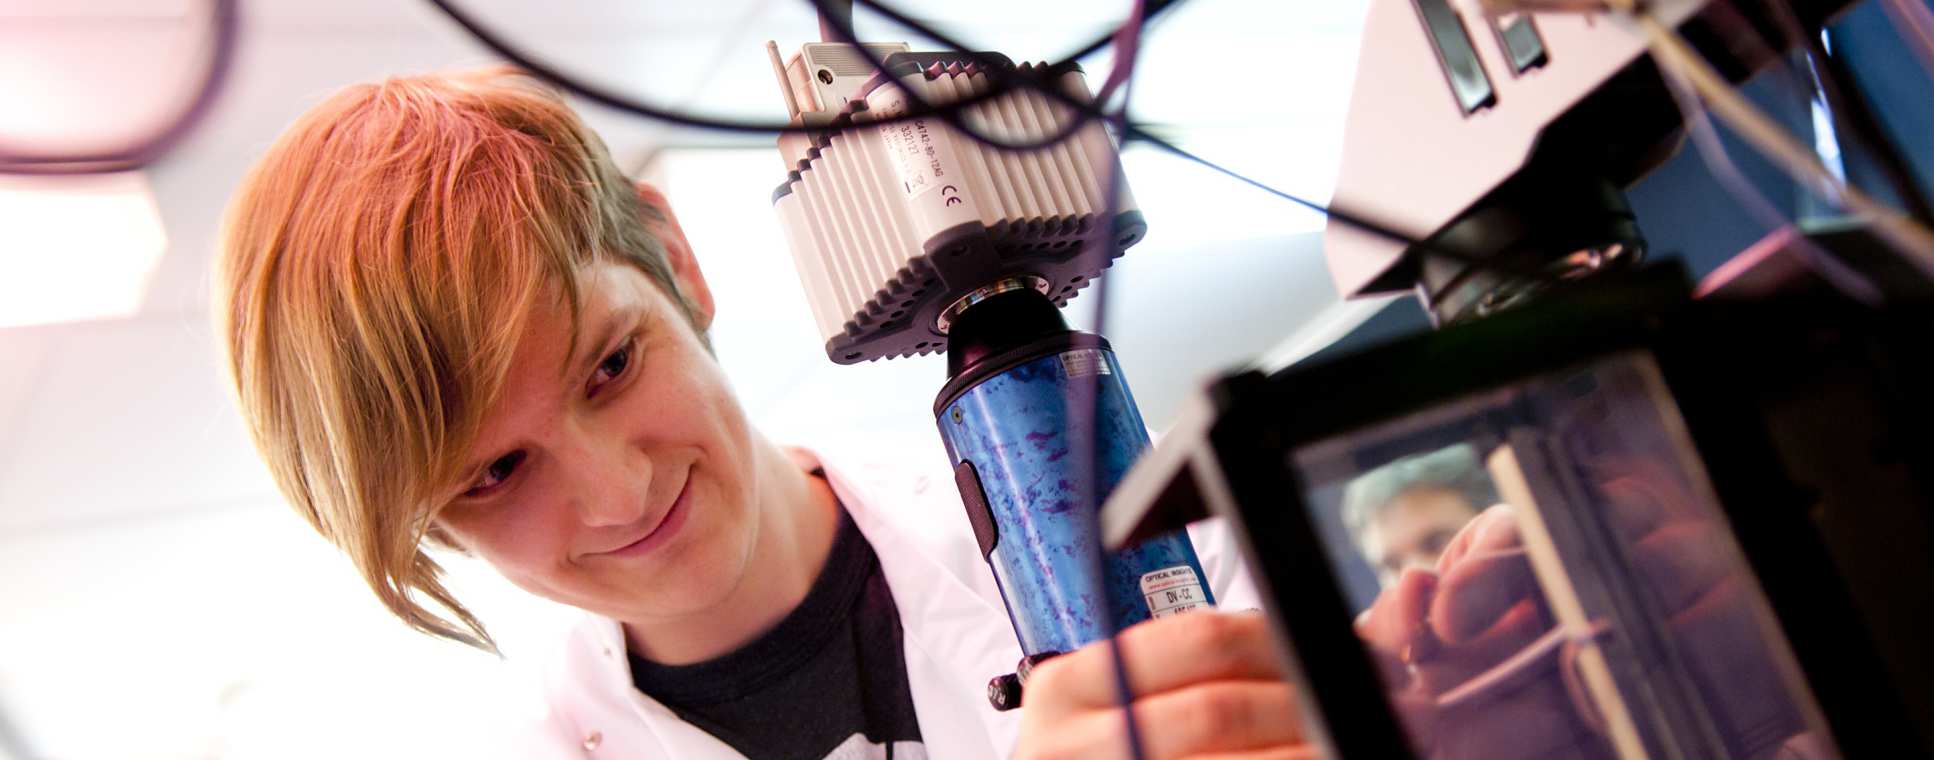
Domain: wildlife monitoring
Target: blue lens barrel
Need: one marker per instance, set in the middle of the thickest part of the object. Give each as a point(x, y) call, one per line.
point(1014, 427)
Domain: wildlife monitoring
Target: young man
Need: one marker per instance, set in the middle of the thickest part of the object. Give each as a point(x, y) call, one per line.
point(452, 321)
point(1403, 514)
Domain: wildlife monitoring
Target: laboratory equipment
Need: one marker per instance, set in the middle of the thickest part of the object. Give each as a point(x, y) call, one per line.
point(912, 238)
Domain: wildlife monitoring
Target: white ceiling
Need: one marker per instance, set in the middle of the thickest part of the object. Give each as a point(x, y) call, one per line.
point(129, 493)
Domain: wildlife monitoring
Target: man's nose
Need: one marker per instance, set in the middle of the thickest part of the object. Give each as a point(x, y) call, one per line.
point(612, 482)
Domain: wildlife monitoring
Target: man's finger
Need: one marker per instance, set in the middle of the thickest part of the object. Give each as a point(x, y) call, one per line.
point(1459, 543)
point(1493, 529)
point(1395, 622)
point(1643, 493)
point(1682, 560)
point(1535, 721)
point(1475, 592)
point(1160, 655)
point(1219, 716)
point(1396, 618)
point(1452, 665)
point(1734, 663)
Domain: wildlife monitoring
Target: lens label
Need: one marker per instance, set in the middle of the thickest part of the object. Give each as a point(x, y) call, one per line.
point(1173, 589)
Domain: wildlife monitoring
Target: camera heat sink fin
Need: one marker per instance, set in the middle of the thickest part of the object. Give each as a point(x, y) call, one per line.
point(892, 223)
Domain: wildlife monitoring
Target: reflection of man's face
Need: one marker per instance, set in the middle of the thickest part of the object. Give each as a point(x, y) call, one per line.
point(1412, 529)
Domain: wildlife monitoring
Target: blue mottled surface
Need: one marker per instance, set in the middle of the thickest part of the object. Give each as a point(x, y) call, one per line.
point(1016, 429)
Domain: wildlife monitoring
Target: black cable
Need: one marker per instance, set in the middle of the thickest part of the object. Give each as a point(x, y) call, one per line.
point(1085, 450)
point(142, 152)
point(1102, 244)
point(917, 108)
point(1086, 397)
point(1705, 141)
point(1341, 214)
point(1128, 50)
point(1150, 10)
point(1858, 115)
point(834, 15)
point(1851, 113)
point(951, 114)
point(1129, 131)
point(1004, 79)
point(496, 43)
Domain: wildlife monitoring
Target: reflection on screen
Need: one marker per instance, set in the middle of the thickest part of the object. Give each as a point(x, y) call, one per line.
point(1542, 571)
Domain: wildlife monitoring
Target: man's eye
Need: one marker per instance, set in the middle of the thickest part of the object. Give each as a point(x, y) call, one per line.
point(612, 368)
point(494, 475)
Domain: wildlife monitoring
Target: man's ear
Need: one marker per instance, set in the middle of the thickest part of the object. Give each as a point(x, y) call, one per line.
point(678, 253)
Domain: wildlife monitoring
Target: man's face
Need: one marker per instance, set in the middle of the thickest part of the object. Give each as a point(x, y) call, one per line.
point(1412, 530)
point(619, 480)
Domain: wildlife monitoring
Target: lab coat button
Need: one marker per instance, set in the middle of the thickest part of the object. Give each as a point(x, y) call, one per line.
point(592, 740)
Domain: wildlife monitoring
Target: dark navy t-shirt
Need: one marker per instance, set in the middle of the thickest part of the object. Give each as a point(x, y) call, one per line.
point(829, 682)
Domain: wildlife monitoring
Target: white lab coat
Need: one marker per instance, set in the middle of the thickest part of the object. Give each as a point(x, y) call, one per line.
point(957, 632)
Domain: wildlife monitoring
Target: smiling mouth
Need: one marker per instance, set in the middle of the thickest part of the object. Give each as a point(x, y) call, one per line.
point(662, 532)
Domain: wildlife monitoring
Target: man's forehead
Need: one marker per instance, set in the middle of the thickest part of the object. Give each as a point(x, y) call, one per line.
point(557, 337)
point(556, 343)
point(547, 334)
point(1431, 500)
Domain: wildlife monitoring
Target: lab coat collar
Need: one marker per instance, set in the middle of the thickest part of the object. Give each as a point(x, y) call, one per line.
point(956, 637)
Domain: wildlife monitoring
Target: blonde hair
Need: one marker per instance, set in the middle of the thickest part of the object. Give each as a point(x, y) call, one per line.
point(376, 269)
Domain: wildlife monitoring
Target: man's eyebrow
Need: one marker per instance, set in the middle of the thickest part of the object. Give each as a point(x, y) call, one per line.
point(609, 325)
point(591, 352)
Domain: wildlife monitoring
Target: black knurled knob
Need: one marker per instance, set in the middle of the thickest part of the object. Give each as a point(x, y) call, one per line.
point(1004, 692)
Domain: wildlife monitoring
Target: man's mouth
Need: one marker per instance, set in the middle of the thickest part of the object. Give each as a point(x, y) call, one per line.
point(666, 528)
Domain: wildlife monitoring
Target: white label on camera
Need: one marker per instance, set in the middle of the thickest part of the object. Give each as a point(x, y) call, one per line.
point(917, 159)
point(921, 154)
point(1173, 589)
point(1083, 362)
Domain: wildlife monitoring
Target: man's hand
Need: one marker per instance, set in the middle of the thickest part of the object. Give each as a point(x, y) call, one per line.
point(1205, 684)
point(1435, 631)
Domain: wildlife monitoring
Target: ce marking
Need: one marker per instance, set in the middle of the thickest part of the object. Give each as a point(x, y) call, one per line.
point(951, 194)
